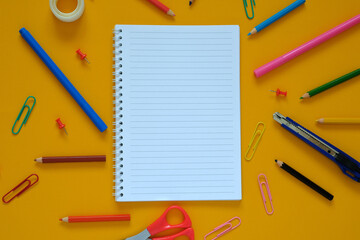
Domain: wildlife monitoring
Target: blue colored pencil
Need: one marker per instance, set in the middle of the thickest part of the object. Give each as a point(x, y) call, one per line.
point(63, 79)
point(277, 16)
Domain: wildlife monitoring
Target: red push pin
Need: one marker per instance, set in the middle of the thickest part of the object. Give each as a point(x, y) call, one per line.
point(61, 125)
point(278, 92)
point(82, 55)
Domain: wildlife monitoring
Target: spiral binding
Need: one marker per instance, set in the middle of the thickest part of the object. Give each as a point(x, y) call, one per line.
point(118, 102)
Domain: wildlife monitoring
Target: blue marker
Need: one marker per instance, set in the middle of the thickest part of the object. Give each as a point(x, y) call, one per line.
point(63, 80)
point(277, 16)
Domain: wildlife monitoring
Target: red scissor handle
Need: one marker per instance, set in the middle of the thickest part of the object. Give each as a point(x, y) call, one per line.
point(161, 224)
point(189, 232)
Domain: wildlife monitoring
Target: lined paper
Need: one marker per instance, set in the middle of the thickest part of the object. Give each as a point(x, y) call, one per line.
point(180, 113)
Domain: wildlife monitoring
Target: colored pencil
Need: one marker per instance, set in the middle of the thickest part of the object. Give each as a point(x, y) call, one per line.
point(96, 158)
point(162, 7)
point(98, 218)
point(305, 180)
point(307, 46)
point(191, 2)
point(276, 17)
point(339, 120)
point(331, 84)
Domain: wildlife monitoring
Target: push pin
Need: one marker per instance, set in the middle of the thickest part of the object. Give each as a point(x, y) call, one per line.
point(61, 125)
point(82, 55)
point(278, 92)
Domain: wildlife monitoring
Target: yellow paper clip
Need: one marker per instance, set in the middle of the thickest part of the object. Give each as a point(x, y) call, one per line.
point(29, 109)
point(254, 143)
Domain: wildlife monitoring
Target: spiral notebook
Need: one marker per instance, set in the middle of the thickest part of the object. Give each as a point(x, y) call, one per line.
point(177, 113)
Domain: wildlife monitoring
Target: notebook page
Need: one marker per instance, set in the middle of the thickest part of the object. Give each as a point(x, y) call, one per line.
point(179, 117)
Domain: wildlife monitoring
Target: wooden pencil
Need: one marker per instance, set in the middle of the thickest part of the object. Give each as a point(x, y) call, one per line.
point(338, 121)
point(94, 158)
point(162, 7)
point(331, 84)
point(305, 180)
point(97, 218)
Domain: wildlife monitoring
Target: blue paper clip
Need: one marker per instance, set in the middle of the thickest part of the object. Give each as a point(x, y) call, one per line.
point(252, 3)
point(29, 109)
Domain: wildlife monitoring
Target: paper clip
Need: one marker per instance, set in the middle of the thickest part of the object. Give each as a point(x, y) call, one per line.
point(29, 109)
point(227, 223)
point(259, 131)
point(26, 181)
point(265, 182)
point(252, 2)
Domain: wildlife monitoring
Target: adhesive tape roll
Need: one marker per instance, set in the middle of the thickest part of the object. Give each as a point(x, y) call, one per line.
point(68, 17)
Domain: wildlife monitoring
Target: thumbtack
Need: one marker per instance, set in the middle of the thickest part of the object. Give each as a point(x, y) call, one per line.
point(278, 92)
point(61, 125)
point(82, 55)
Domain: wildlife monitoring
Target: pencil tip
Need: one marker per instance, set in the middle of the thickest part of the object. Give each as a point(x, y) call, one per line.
point(249, 33)
point(301, 98)
point(275, 160)
point(190, 3)
point(60, 219)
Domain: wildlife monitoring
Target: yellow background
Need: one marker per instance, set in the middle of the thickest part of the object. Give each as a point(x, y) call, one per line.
point(86, 189)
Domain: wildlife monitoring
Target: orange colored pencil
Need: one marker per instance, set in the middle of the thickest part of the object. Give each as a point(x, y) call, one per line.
point(162, 7)
point(97, 218)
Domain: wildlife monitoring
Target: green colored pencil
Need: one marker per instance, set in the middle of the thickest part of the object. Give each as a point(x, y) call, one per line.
point(331, 84)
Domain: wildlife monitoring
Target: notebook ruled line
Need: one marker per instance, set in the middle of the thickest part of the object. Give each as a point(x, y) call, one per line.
point(170, 193)
point(190, 174)
point(176, 133)
point(180, 38)
point(178, 145)
point(176, 139)
point(199, 186)
point(177, 169)
point(183, 180)
point(167, 151)
point(185, 56)
point(211, 156)
point(183, 163)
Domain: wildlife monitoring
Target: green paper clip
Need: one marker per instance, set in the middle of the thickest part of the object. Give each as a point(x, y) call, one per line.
point(252, 2)
point(26, 116)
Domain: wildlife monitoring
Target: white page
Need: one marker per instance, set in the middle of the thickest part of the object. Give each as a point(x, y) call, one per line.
point(180, 94)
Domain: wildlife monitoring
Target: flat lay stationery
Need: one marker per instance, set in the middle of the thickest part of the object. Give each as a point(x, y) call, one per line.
point(143, 125)
point(178, 116)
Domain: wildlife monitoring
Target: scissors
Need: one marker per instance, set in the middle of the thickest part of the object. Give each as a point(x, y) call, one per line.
point(161, 224)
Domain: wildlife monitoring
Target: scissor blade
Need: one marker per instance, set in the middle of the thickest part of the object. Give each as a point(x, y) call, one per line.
point(144, 235)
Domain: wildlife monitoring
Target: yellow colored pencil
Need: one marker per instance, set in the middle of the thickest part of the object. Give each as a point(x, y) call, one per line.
point(338, 121)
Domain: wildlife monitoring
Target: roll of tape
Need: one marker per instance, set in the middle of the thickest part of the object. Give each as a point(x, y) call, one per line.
point(68, 17)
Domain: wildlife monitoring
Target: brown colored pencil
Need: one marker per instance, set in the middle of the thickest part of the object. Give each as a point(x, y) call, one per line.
point(95, 158)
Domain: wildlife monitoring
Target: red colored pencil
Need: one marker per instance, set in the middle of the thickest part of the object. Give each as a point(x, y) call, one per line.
point(98, 218)
point(96, 158)
point(162, 7)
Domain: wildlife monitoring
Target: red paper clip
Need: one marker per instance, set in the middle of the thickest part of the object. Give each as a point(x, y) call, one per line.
point(28, 182)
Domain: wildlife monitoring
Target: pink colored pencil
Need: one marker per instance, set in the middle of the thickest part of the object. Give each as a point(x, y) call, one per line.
point(162, 7)
point(307, 46)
